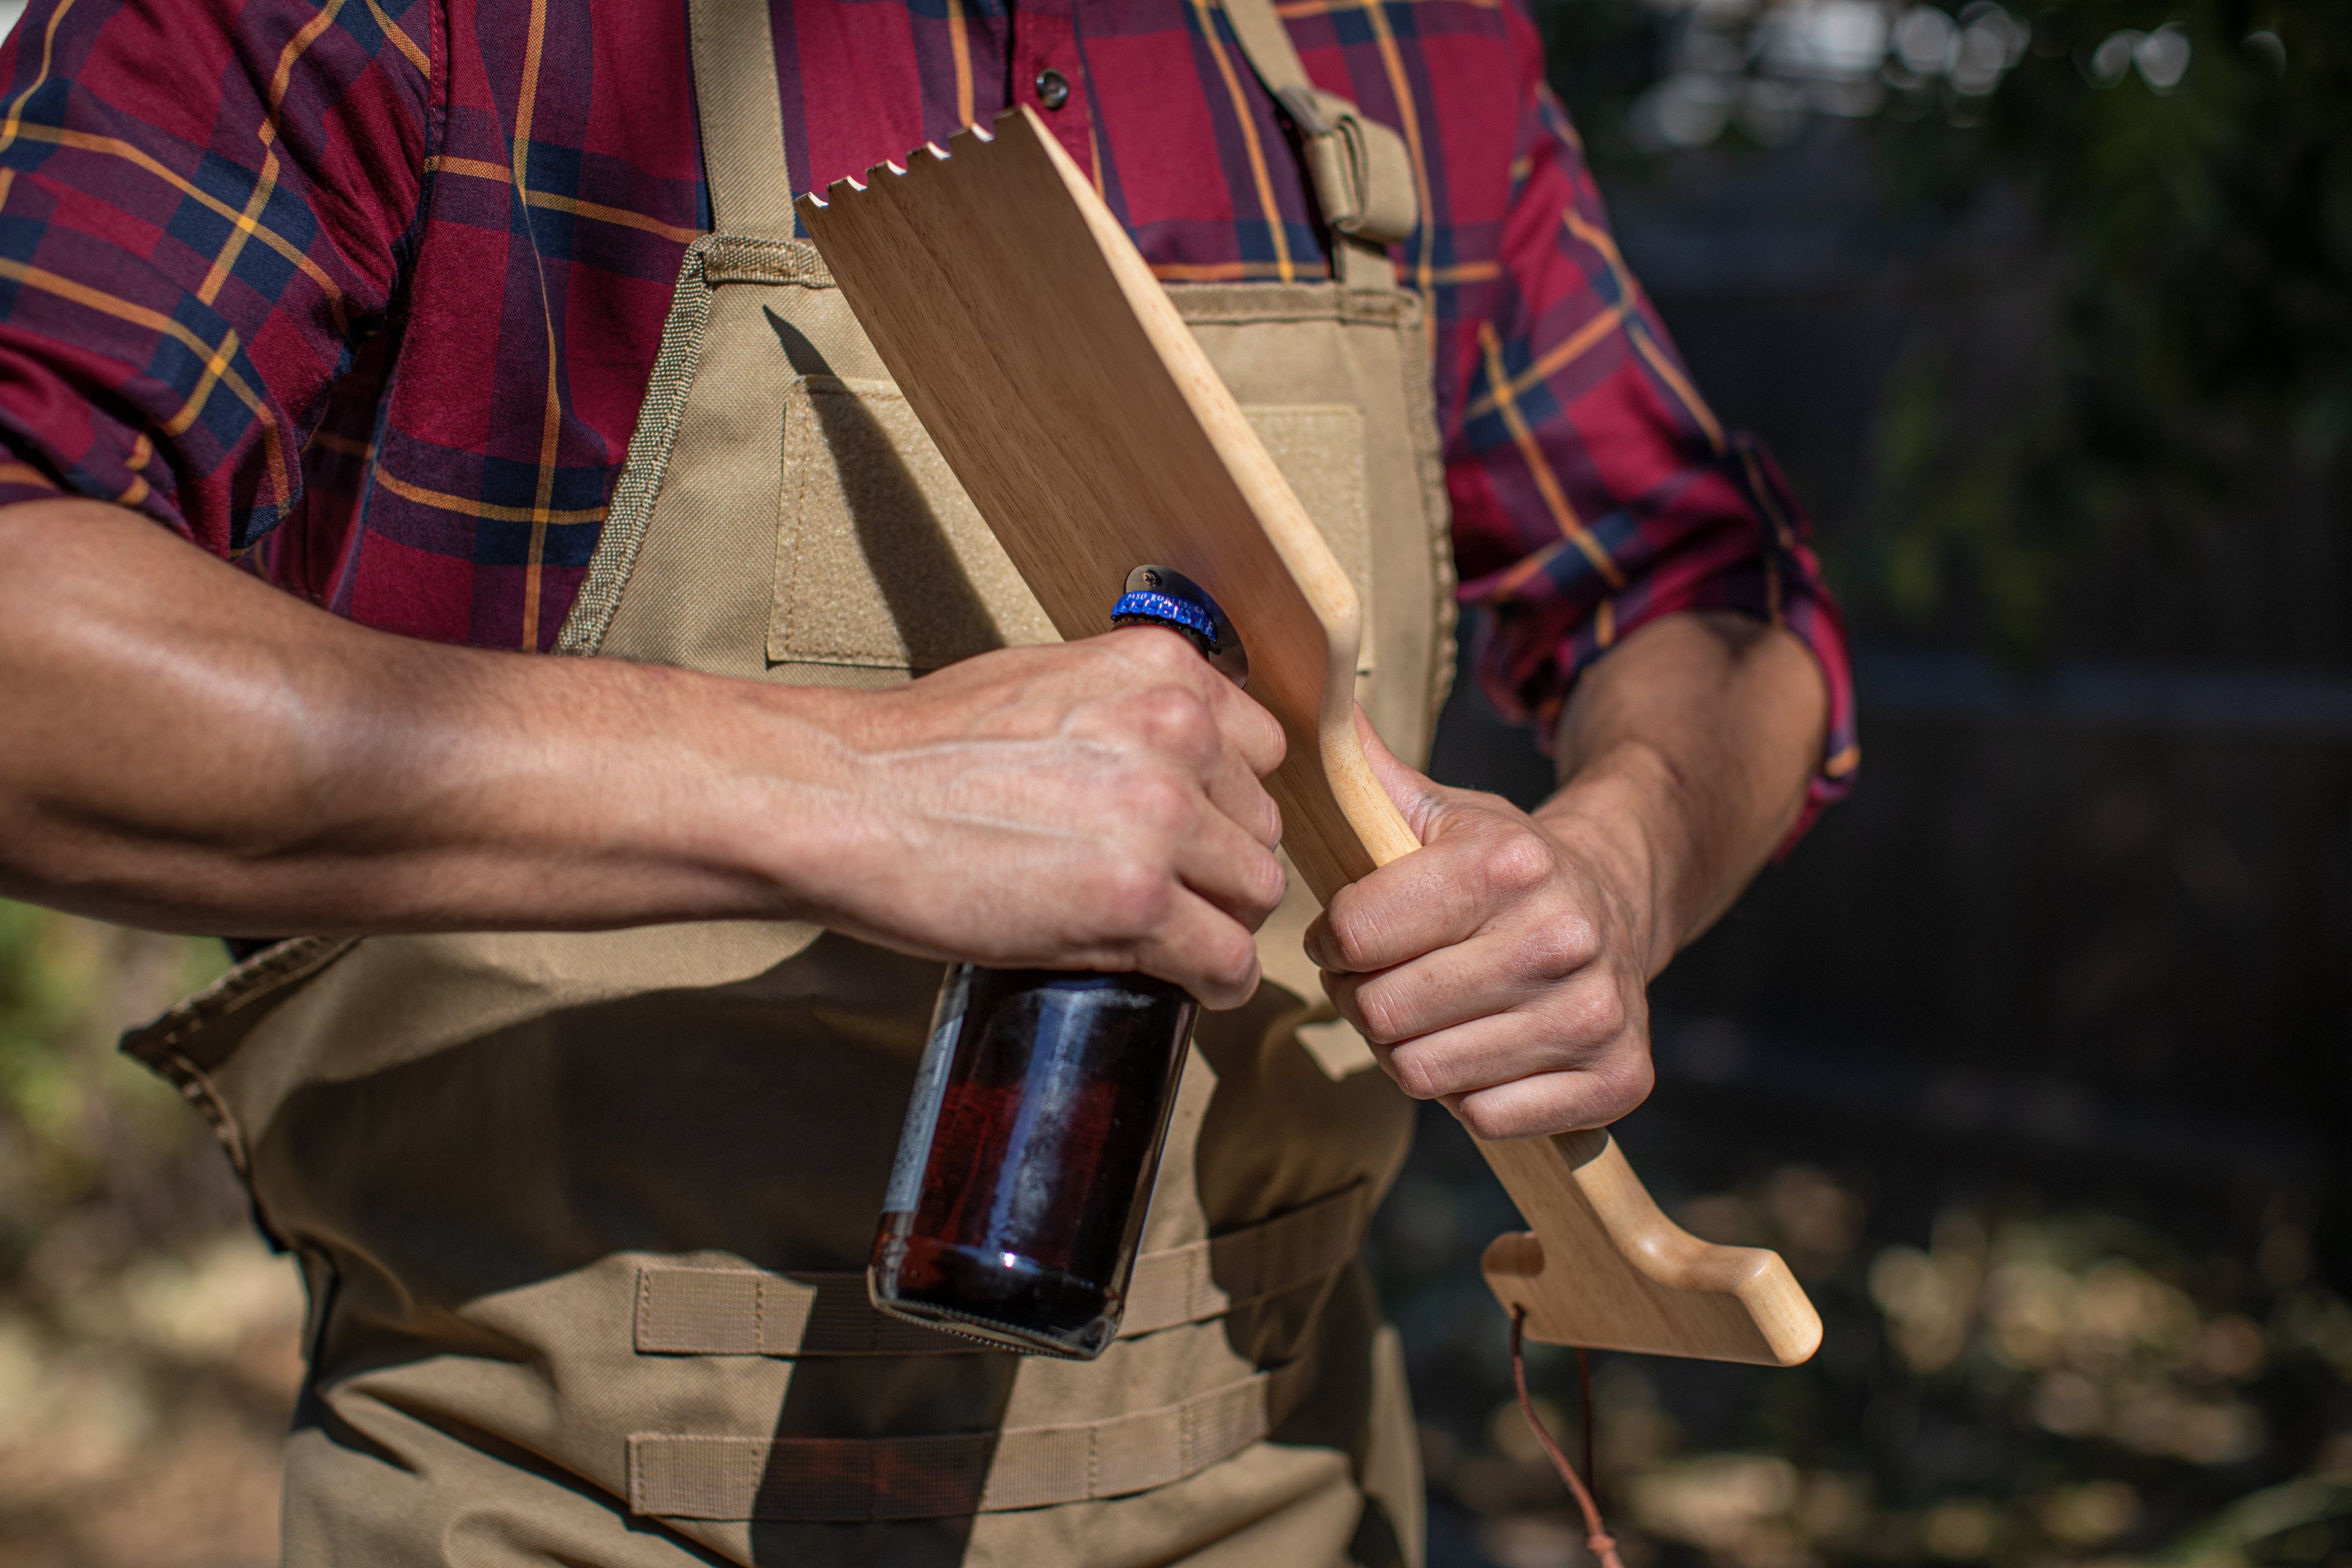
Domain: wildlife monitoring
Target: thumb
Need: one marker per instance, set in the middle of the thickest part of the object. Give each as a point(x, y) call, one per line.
point(1417, 798)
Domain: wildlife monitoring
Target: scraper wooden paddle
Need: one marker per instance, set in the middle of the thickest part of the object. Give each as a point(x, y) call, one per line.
point(1066, 393)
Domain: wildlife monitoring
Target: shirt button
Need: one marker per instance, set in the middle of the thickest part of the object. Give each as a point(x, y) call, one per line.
point(1053, 89)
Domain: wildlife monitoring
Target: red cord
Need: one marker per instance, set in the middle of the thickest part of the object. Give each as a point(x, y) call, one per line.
point(1597, 1538)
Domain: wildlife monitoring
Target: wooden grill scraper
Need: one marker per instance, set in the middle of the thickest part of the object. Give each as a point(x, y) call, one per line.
point(1069, 397)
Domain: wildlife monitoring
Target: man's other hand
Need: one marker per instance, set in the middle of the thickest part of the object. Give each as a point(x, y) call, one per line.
point(1503, 967)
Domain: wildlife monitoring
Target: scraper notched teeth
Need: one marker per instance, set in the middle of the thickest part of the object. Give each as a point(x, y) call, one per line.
point(925, 156)
point(847, 185)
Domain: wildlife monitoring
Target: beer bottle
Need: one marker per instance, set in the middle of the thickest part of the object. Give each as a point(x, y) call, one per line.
point(1040, 1110)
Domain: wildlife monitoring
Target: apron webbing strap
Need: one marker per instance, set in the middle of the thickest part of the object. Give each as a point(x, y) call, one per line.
point(1267, 44)
point(1360, 171)
point(747, 1311)
point(741, 116)
point(853, 1479)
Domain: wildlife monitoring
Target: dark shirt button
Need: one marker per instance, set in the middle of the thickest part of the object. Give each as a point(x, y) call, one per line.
point(1053, 89)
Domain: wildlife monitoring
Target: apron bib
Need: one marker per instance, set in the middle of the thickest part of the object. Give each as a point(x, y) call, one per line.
point(583, 1216)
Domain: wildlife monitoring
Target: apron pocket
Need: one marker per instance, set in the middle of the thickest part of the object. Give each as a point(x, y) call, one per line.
point(882, 560)
point(856, 1480)
point(683, 1310)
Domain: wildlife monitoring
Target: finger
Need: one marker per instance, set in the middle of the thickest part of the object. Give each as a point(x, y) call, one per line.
point(1488, 973)
point(1585, 1024)
point(1559, 1101)
point(1254, 732)
point(1244, 723)
point(1203, 950)
point(1233, 789)
point(1418, 799)
point(1380, 923)
point(1442, 893)
point(1232, 869)
point(1200, 719)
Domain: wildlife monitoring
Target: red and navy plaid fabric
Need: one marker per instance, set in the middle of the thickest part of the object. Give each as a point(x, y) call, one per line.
point(366, 292)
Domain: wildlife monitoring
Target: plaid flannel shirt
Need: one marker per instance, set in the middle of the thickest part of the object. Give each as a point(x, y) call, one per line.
point(365, 293)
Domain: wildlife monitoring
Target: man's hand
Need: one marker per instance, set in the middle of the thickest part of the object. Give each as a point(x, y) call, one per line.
point(1503, 967)
point(1081, 806)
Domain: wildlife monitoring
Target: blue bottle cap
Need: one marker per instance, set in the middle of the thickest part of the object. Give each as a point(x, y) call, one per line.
point(1156, 595)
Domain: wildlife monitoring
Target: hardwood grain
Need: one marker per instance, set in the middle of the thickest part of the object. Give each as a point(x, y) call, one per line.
point(1094, 435)
point(1668, 1291)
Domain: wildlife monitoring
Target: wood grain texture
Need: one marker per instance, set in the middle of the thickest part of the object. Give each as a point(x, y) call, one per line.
point(1094, 435)
point(1667, 1290)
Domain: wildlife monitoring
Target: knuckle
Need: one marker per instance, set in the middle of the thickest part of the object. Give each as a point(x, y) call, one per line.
point(1158, 804)
point(1489, 1121)
point(1271, 742)
point(1175, 721)
point(1130, 895)
point(1272, 882)
point(1599, 1014)
point(1161, 646)
point(1233, 969)
point(1194, 722)
point(1382, 1014)
point(1619, 1085)
point(1518, 864)
point(1556, 949)
point(1416, 1073)
point(1352, 934)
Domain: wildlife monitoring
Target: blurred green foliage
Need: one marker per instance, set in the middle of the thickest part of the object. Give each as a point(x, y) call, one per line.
point(2194, 380)
point(78, 1123)
point(2200, 358)
point(149, 1341)
point(2033, 1383)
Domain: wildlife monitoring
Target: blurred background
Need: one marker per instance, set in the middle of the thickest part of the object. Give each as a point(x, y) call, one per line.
point(2034, 1061)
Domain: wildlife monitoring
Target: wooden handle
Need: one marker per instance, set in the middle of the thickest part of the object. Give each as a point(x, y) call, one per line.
point(1604, 1267)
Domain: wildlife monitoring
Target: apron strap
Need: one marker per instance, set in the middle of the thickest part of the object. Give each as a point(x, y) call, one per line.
point(747, 1311)
point(741, 116)
point(1360, 169)
point(853, 1479)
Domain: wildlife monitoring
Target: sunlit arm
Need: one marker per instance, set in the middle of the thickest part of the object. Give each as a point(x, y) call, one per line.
point(1689, 750)
point(1504, 969)
point(185, 746)
point(189, 748)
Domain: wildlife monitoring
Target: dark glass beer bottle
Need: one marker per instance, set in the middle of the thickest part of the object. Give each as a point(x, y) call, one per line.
point(1039, 1112)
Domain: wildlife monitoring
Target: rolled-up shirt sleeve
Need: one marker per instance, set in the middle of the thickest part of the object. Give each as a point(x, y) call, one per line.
point(1593, 490)
point(204, 213)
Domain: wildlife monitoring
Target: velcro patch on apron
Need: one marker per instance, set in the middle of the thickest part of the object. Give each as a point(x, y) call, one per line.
point(747, 1311)
point(883, 562)
point(855, 1479)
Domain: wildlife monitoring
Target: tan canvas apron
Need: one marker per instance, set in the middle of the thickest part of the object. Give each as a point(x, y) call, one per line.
point(581, 1215)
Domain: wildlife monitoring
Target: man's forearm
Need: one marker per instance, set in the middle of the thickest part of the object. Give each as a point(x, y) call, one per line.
point(187, 747)
point(1684, 756)
point(184, 746)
